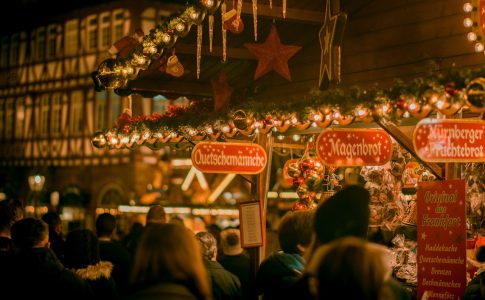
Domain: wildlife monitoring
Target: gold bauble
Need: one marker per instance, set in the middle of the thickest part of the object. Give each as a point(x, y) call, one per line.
point(475, 94)
point(99, 140)
point(240, 120)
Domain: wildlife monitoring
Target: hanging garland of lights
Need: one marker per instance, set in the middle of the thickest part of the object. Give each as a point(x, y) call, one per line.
point(446, 93)
point(474, 22)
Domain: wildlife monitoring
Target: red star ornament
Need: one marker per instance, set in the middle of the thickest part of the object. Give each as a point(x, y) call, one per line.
point(272, 55)
point(221, 91)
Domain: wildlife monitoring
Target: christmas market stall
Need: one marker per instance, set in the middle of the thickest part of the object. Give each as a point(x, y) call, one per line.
point(339, 117)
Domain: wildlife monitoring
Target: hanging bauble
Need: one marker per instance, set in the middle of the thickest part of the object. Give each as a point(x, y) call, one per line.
point(313, 178)
point(475, 94)
point(297, 181)
point(232, 22)
point(110, 75)
point(319, 167)
point(307, 164)
point(240, 120)
point(293, 170)
point(174, 67)
point(149, 48)
point(210, 5)
point(180, 26)
point(99, 140)
point(303, 191)
point(299, 205)
point(166, 38)
point(430, 96)
point(140, 61)
point(196, 15)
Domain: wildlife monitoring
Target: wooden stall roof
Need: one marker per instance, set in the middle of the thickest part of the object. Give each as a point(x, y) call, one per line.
point(383, 40)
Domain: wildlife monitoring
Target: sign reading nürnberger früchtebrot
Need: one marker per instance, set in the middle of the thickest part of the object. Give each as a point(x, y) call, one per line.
point(239, 158)
point(354, 147)
point(450, 140)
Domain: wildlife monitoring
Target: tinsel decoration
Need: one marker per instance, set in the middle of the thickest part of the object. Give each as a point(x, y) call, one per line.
point(224, 32)
point(199, 48)
point(475, 95)
point(255, 19)
point(211, 31)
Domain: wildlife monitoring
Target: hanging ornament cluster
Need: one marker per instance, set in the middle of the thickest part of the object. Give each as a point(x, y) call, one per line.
point(307, 173)
point(136, 53)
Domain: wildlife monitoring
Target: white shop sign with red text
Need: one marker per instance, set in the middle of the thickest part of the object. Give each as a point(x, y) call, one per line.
point(450, 140)
point(354, 147)
point(238, 158)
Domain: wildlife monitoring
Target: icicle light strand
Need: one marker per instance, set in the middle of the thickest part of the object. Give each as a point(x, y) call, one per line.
point(211, 31)
point(284, 9)
point(255, 19)
point(224, 33)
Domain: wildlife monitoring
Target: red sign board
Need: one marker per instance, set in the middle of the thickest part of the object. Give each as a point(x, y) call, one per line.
point(239, 158)
point(450, 140)
point(354, 147)
point(441, 239)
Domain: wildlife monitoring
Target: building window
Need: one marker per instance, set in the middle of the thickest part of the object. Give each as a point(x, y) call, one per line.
point(118, 25)
point(40, 40)
point(56, 115)
point(44, 115)
point(100, 111)
point(71, 37)
point(105, 30)
point(4, 57)
point(76, 116)
point(9, 118)
point(52, 41)
point(115, 107)
point(19, 118)
point(14, 50)
point(92, 30)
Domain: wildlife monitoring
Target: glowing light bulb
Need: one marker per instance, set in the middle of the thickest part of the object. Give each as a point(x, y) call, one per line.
point(192, 132)
point(194, 15)
point(406, 115)
point(37, 179)
point(314, 124)
point(125, 139)
point(180, 27)
point(166, 38)
point(467, 22)
point(467, 7)
point(316, 117)
point(294, 120)
point(296, 137)
point(336, 115)
point(440, 104)
point(479, 47)
point(412, 106)
point(209, 3)
point(280, 137)
point(471, 36)
point(385, 108)
point(361, 112)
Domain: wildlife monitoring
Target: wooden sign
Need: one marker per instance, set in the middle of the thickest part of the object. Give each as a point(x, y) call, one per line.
point(250, 224)
point(450, 140)
point(441, 239)
point(239, 158)
point(354, 147)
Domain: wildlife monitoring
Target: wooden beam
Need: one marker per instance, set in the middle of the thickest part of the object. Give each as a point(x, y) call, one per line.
point(404, 141)
point(292, 14)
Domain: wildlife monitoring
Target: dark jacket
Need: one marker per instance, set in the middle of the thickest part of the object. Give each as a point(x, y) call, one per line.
point(163, 290)
point(121, 260)
point(6, 261)
point(240, 265)
point(99, 278)
point(472, 291)
point(38, 274)
point(278, 273)
point(225, 285)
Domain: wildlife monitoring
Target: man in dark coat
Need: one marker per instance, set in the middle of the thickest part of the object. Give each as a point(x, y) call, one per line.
point(282, 269)
point(38, 274)
point(225, 285)
point(112, 251)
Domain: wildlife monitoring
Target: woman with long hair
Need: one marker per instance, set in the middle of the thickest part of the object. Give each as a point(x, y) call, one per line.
point(168, 265)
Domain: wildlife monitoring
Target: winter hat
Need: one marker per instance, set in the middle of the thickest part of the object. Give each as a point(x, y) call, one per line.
point(231, 242)
point(344, 214)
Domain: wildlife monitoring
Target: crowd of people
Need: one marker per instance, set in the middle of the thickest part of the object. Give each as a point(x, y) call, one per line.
point(324, 255)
